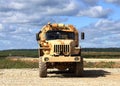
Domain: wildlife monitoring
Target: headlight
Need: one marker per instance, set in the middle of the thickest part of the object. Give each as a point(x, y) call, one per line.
point(76, 58)
point(46, 59)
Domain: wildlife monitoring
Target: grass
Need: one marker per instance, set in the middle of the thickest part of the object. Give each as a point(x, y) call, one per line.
point(21, 52)
point(106, 55)
point(7, 63)
point(102, 65)
point(34, 53)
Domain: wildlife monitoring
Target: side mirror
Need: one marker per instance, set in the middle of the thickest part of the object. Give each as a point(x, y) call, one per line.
point(82, 35)
point(37, 37)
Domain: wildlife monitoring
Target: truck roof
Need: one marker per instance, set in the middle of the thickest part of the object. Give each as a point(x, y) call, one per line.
point(62, 27)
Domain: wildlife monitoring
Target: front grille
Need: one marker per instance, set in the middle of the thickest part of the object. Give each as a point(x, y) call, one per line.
point(61, 48)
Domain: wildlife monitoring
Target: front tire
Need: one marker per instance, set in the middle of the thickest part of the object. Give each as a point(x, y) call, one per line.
point(42, 68)
point(72, 68)
point(79, 68)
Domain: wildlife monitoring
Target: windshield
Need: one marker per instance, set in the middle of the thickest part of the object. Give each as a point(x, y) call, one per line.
point(51, 35)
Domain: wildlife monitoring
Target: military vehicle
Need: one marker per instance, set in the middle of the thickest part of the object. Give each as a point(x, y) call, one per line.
point(59, 48)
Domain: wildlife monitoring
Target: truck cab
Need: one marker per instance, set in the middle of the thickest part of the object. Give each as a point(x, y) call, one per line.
point(59, 48)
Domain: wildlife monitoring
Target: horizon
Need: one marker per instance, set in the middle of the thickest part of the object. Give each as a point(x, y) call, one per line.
point(82, 48)
point(20, 21)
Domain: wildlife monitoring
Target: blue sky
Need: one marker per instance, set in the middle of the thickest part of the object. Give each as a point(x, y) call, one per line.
point(21, 19)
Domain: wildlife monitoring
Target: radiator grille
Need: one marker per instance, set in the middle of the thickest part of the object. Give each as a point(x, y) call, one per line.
point(63, 48)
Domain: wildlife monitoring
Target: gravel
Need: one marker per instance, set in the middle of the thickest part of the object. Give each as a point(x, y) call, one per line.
point(30, 77)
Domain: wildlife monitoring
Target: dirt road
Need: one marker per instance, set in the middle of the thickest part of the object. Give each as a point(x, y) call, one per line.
point(101, 60)
point(29, 77)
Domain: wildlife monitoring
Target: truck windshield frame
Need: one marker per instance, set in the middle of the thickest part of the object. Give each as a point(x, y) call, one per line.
point(53, 35)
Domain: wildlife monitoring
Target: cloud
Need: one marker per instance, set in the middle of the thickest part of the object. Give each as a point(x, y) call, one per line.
point(117, 2)
point(41, 7)
point(20, 19)
point(96, 11)
point(22, 34)
point(15, 36)
point(20, 11)
point(90, 2)
point(1, 27)
point(103, 33)
point(30, 10)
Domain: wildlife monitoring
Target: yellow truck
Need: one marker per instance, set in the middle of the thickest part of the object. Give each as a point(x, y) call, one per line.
point(59, 48)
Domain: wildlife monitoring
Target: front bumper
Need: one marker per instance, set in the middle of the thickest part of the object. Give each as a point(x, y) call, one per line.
point(61, 59)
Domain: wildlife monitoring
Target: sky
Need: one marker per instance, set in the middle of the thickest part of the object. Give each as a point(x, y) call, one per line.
point(20, 20)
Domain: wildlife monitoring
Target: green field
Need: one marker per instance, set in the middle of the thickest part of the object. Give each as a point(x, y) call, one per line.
point(7, 64)
point(86, 53)
point(107, 55)
point(20, 52)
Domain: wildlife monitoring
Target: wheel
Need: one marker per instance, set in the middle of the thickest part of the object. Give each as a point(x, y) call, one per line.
point(42, 68)
point(79, 68)
point(72, 68)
